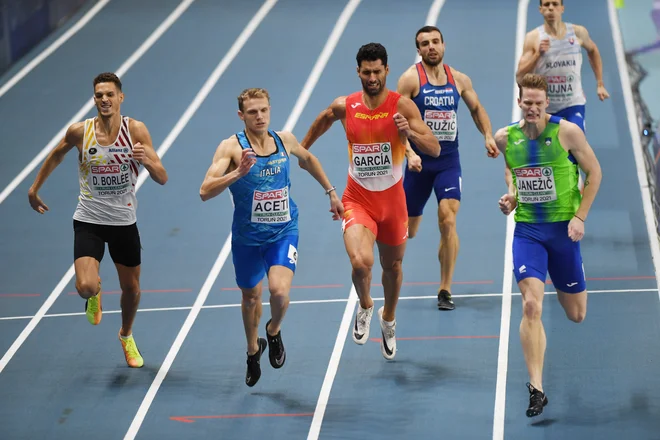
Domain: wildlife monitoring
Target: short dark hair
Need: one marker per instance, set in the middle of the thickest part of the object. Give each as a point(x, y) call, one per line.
point(372, 52)
point(107, 77)
point(560, 1)
point(428, 29)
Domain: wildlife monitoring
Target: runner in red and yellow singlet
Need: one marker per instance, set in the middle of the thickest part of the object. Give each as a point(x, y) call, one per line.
point(378, 123)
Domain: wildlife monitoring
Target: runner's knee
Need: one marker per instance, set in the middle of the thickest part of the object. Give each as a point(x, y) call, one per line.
point(87, 288)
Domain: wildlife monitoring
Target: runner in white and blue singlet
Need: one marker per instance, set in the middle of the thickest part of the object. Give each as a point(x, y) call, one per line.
point(437, 89)
point(254, 166)
point(554, 50)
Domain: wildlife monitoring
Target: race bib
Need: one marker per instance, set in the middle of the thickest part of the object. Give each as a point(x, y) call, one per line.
point(271, 206)
point(442, 124)
point(535, 184)
point(372, 160)
point(560, 87)
point(109, 180)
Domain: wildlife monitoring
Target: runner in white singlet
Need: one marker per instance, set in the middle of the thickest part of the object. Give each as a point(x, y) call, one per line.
point(111, 149)
point(554, 50)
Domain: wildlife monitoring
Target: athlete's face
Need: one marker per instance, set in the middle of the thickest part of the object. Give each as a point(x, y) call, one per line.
point(107, 98)
point(551, 10)
point(431, 48)
point(373, 74)
point(533, 103)
point(256, 114)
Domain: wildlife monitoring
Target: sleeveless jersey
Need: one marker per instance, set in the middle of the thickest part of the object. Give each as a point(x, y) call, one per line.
point(263, 209)
point(562, 67)
point(107, 175)
point(375, 151)
point(545, 175)
point(438, 106)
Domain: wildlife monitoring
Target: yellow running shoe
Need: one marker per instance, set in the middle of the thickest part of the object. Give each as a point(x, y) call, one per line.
point(93, 308)
point(131, 352)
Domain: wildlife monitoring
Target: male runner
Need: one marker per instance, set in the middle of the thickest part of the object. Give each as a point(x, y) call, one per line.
point(111, 148)
point(542, 154)
point(437, 89)
point(254, 165)
point(554, 50)
point(377, 122)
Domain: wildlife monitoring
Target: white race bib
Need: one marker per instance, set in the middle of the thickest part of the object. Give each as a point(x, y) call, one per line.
point(372, 160)
point(442, 123)
point(109, 180)
point(535, 184)
point(271, 206)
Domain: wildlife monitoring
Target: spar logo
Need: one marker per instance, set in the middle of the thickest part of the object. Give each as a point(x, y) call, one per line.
point(531, 173)
point(270, 195)
point(436, 114)
point(371, 148)
point(109, 169)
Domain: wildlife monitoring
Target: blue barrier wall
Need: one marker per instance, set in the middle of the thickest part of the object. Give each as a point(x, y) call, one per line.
point(25, 23)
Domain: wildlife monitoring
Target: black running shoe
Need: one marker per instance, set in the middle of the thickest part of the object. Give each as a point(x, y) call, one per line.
point(537, 400)
point(444, 300)
point(254, 365)
point(276, 351)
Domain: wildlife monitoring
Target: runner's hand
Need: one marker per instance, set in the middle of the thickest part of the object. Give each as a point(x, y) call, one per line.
point(402, 124)
point(248, 158)
point(544, 46)
point(36, 203)
point(507, 204)
point(575, 229)
point(491, 147)
point(415, 163)
point(336, 206)
point(602, 93)
point(139, 153)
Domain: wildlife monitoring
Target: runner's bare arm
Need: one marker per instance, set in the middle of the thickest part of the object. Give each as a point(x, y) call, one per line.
point(594, 59)
point(306, 160)
point(575, 141)
point(417, 131)
point(144, 153)
point(217, 179)
point(335, 112)
point(478, 112)
point(312, 165)
point(529, 57)
point(501, 138)
point(71, 139)
point(408, 84)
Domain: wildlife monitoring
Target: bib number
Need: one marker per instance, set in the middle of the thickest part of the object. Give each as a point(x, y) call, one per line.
point(110, 180)
point(442, 124)
point(372, 160)
point(271, 207)
point(535, 184)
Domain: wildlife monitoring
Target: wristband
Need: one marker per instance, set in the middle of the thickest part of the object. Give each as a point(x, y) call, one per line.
point(327, 192)
point(578, 218)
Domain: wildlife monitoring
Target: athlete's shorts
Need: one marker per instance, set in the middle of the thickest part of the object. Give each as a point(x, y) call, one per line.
point(252, 263)
point(123, 242)
point(445, 178)
point(541, 248)
point(382, 212)
point(574, 114)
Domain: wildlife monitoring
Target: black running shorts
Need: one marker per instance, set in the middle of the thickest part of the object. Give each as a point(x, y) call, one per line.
point(123, 242)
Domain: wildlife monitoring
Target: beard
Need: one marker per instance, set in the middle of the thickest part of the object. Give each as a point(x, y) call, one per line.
point(373, 91)
point(433, 62)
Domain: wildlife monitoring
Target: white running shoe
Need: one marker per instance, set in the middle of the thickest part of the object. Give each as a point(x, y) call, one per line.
point(362, 324)
point(388, 341)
